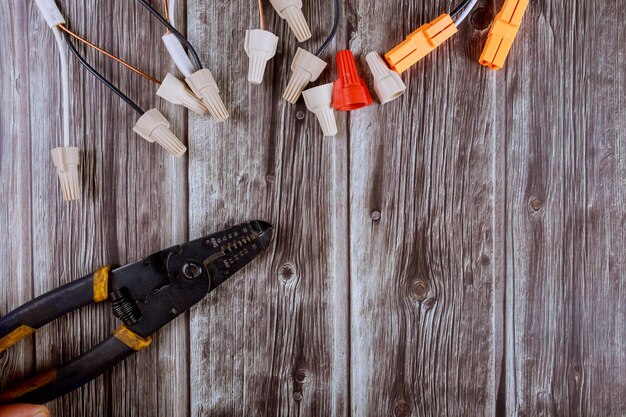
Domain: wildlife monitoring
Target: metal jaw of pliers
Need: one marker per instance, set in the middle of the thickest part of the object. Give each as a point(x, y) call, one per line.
point(144, 295)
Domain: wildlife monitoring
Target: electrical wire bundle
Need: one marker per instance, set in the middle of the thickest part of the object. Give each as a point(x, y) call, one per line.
point(202, 93)
point(199, 92)
point(199, 79)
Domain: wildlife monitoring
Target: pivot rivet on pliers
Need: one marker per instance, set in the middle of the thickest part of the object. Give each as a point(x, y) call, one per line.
point(192, 270)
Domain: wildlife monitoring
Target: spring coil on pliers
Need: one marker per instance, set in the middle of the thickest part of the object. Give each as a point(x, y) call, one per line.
point(124, 307)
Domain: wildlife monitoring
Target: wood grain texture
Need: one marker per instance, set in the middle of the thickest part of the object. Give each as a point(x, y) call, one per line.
point(16, 285)
point(421, 211)
point(132, 193)
point(566, 317)
point(458, 251)
point(273, 341)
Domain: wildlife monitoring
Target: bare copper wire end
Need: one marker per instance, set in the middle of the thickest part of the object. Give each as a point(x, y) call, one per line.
point(261, 18)
point(115, 58)
point(167, 10)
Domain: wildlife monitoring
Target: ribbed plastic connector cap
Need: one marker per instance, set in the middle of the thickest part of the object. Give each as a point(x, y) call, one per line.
point(350, 91)
point(319, 100)
point(387, 83)
point(176, 92)
point(154, 127)
point(204, 86)
point(291, 11)
point(306, 67)
point(66, 162)
point(260, 45)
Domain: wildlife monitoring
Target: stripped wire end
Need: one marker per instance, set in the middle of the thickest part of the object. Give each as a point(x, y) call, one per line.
point(291, 11)
point(109, 55)
point(204, 86)
point(261, 15)
point(154, 127)
point(66, 161)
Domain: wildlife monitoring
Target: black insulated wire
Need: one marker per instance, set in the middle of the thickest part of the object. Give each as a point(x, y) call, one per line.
point(333, 31)
point(458, 9)
point(181, 38)
point(101, 77)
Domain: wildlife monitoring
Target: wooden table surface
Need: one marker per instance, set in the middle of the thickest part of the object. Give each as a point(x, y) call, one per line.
point(457, 252)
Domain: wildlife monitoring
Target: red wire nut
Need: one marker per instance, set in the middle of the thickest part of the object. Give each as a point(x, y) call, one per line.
point(350, 91)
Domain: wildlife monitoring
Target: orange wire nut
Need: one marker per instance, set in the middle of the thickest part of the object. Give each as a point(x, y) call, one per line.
point(503, 33)
point(350, 91)
point(420, 43)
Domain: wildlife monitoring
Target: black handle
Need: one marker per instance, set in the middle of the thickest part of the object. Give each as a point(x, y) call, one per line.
point(57, 382)
point(24, 320)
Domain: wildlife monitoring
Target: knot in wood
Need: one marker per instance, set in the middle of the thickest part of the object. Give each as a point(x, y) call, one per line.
point(402, 409)
point(576, 371)
point(287, 273)
point(299, 375)
point(375, 215)
point(536, 204)
point(545, 404)
point(481, 18)
point(419, 289)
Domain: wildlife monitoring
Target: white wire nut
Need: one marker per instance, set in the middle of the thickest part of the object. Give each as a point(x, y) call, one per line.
point(306, 68)
point(66, 162)
point(154, 127)
point(319, 101)
point(178, 54)
point(291, 11)
point(387, 83)
point(50, 12)
point(176, 92)
point(203, 85)
point(260, 45)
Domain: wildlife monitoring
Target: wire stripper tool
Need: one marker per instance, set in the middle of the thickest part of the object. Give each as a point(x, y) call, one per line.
point(144, 295)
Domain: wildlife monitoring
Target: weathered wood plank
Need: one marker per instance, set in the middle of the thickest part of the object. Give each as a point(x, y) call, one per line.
point(421, 222)
point(16, 283)
point(565, 124)
point(401, 244)
point(273, 341)
point(132, 194)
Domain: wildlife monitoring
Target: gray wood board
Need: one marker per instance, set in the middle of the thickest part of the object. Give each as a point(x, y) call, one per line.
point(455, 252)
point(273, 341)
point(565, 189)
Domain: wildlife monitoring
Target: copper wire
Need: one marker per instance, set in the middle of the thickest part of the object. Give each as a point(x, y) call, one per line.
point(261, 18)
point(167, 10)
point(102, 51)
